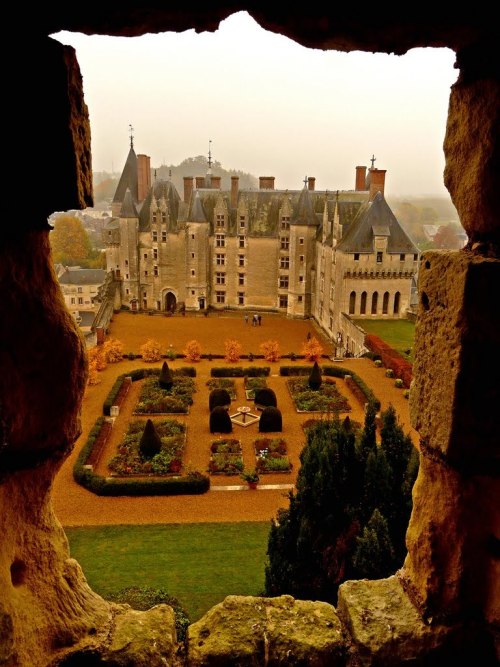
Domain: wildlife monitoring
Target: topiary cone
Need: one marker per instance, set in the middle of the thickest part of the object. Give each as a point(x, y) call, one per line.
point(315, 377)
point(165, 380)
point(150, 443)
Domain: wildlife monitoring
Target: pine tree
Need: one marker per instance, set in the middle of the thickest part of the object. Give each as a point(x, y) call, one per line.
point(374, 555)
point(150, 443)
point(368, 440)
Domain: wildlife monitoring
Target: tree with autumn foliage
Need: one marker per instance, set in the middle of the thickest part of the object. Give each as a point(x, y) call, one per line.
point(112, 349)
point(69, 241)
point(151, 350)
point(93, 377)
point(192, 351)
point(312, 349)
point(271, 350)
point(232, 351)
point(97, 357)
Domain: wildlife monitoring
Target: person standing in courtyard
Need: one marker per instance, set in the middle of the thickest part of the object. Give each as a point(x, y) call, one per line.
point(246, 318)
point(259, 317)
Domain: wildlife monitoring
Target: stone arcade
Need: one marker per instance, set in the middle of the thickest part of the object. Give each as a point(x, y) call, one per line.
point(443, 606)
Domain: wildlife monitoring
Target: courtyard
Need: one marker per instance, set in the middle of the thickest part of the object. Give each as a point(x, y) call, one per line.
point(228, 499)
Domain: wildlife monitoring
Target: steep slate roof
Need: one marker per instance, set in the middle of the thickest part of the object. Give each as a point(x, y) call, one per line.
point(374, 215)
point(82, 277)
point(303, 212)
point(128, 179)
point(128, 209)
point(196, 213)
point(160, 190)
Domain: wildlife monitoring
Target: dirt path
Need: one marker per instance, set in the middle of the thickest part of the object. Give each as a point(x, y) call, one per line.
point(75, 505)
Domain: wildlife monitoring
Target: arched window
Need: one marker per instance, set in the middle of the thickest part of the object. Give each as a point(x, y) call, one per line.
point(352, 303)
point(374, 303)
point(385, 303)
point(362, 309)
point(397, 298)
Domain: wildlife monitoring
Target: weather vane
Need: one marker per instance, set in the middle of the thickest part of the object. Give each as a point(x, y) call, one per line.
point(373, 158)
point(209, 154)
point(131, 130)
point(305, 181)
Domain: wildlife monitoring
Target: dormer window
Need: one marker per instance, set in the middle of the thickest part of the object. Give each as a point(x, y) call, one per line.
point(164, 217)
point(356, 256)
point(219, 221)
point(380, 256)
point(154, 217)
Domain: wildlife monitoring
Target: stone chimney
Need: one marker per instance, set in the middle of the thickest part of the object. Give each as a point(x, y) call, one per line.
point(311, 183)
point(377, 182)
point(360, 178)
point(215, 184)
point(143, 176)
point(200, 182)
point(266, 182)
point(235, 180)
point(188, 188)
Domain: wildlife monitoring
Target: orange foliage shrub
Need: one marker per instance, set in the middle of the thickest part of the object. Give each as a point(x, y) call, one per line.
point(97, 357)
point(113, 350)
point(151, 350)
point(192, 351)
point(312, 349)
point(93, 373)
point(271, 350)
point(232, 350)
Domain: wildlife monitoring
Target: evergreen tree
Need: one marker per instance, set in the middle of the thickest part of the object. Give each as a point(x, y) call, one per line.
point(345, 489)
point(374, 554)
point(368, 440)
point(315, 379)
point(398, 449)
point(150, 443)
point(166, 380)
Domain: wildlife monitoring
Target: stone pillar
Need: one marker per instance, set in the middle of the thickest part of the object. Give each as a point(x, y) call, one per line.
point(451, 571)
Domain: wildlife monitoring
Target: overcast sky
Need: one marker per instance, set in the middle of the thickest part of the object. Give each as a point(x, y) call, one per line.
point(268, 105)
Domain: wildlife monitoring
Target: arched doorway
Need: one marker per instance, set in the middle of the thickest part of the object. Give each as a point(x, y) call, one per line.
point(170, 302)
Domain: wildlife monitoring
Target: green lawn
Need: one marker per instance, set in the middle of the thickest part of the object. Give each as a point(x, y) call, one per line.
point(399, 334)
point(199, 564)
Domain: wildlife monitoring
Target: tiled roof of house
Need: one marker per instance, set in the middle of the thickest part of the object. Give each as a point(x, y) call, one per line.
point(78, 276)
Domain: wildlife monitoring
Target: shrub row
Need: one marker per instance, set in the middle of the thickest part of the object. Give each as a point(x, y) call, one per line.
point(390, 358)
point(192, 483)
point(139, 374)
point(236, 372)
point(363, 392)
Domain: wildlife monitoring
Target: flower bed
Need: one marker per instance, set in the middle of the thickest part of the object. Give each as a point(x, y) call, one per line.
point(226, 457)
point(325, 399)
point(271, 455)
point(153, 399)
point(223, 383)
point(252, 385)
point(130, 461)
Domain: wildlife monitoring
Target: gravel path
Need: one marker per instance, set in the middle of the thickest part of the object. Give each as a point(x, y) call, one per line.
point(75, 506)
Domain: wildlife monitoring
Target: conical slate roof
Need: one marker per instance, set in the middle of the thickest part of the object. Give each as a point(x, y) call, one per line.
point(375, 218)
point(128, 209)
point(128, 179)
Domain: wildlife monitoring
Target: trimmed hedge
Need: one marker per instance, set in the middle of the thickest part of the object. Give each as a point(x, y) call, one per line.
point(139, 374)
point(390, 358)
point(335, 371)
point(236, 372)
point(193, 483)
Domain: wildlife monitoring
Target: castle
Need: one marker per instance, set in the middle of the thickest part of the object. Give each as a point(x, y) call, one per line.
point(304, 253)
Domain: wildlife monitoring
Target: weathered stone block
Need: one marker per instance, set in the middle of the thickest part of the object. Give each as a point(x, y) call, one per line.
point(385, 627)
point(455, 393)
point(267, 631)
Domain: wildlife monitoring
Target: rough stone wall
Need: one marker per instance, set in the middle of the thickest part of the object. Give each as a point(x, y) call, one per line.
point(448, 604)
